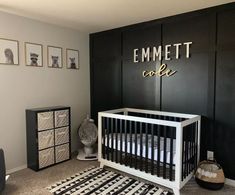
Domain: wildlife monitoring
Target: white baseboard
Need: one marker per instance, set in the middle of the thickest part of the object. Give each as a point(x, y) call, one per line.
point(16, 169)
point(25, 166)
point(230, 182)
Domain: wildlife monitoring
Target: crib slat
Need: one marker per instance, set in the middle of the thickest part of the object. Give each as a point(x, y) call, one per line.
point(158, 149)
point(173, 134)
point(152, 150)
point(191, 147)
point(188, 151)
point(146, 147)
point(185, 152)
point(183, 156)
point(111, 130)
point(130, 129)
point(107, 129)
point(196, 145)
point(171, 153)
point(121, 141)
point(193, 153)
point(116, 138)
point(164, 153)
point(136, 145)
point(125, 130)
point(141, 146)
point(103, 136)
point(188, 156)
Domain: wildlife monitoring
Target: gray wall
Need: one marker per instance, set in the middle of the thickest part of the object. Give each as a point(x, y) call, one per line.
point(23, 87)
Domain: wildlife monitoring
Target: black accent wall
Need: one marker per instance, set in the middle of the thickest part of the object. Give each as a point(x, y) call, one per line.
point(203, 84)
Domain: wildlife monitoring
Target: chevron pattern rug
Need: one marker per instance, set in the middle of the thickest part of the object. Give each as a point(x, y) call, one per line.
point(98, 181)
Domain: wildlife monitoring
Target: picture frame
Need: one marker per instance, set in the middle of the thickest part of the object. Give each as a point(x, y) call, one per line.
point(33, 54)
point(72, 58)
point(54, 57)
point(9, 51)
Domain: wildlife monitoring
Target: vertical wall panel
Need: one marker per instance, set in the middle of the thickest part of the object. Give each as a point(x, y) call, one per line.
point(140, 92)
point(225, 93)
point(105, 72)
point(191, 89)
point(190, 82)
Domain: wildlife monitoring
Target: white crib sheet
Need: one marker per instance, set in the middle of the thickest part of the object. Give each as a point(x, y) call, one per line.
point(143, 146)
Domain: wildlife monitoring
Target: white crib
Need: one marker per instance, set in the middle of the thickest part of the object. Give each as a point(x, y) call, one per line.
point(161, 147)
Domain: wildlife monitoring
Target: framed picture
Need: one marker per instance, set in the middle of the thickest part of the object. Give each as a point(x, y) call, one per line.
point(33, 54)
point(9, 52)
point(54, 57)
point(72, 58)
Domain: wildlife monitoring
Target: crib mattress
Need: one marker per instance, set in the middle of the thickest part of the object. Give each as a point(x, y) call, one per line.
point(136, 140)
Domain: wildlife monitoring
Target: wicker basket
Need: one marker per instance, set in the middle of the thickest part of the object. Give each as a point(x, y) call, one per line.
point(210, 175)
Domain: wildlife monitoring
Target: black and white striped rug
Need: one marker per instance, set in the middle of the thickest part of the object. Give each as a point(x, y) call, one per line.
point(98, 181)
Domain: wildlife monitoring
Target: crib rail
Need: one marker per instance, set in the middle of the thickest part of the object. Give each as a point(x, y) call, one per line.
point(159, 144)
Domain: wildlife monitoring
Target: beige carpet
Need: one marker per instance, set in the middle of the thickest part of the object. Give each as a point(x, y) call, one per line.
point(28, 182)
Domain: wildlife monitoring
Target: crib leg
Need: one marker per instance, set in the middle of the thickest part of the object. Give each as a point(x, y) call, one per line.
point(101, 165)
point(176, 191)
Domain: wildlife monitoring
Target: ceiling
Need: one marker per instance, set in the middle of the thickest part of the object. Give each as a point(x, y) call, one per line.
point(98, 15)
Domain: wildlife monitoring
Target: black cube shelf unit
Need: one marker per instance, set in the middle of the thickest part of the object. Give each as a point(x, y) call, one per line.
point(48, 136)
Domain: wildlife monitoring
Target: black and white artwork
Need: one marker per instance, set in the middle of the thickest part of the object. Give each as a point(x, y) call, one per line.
point(72, 58)
point(54, 57)
point(33, 54)
point(9, 52)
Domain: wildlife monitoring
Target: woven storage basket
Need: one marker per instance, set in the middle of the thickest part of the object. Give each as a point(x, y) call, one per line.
point(210, 175)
